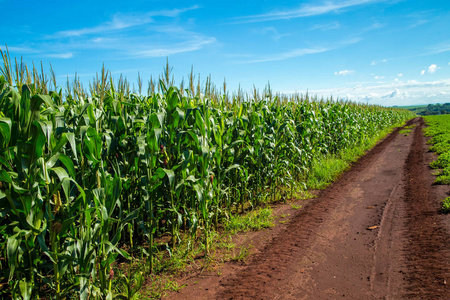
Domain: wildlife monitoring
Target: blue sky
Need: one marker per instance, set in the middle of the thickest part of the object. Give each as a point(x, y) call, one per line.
point(391, 52)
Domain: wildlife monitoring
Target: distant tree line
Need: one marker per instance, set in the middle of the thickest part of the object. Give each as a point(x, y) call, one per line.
point(432, 109)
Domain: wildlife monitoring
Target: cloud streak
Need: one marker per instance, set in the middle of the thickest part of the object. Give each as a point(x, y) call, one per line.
point(298, 52)
point(440, 48)
point(66, 55)
point(276, 36)
point(286, 55)
point(328, 26)
point(121, 21)
point(125, 36)
point(190, 46)
point(306, 10)
point(344, 72)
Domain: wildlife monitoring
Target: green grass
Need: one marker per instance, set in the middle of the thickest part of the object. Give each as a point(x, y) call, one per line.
point(442, 161)
point(439, 128)
point(255, 220)
point(327, 169)
point(242, 254)
point(405, 132)
point(294, 206)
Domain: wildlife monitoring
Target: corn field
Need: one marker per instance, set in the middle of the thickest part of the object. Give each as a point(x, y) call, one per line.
point(86, 174)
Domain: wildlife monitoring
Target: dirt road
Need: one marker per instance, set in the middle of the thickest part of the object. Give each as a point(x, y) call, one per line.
point(375, 234)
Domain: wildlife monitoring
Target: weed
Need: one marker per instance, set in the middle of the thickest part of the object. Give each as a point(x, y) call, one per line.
point(446, 205)
point(294, 206)
point(255, 220)
point(242, 255)
point(405, 132)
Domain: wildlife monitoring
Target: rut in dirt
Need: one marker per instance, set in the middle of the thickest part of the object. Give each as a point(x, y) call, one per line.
point(375, 233)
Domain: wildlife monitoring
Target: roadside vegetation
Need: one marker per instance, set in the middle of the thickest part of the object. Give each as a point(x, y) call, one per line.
point(439, 130)
point(103, 187)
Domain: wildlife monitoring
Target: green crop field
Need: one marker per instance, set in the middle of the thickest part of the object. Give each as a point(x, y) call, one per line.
point(439, 130)
point(92, 177)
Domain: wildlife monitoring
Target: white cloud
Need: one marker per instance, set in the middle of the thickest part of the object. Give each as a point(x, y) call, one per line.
point(329, 26)
point(374, 62)
point(60, 55)
point(378, 77)
point(345, 72)
point(307, 10)
point(287, 55)
point(400, 75)
point(432, 68)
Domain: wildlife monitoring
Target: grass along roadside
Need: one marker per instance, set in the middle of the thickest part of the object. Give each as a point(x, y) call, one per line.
point(190, 256)
point(439, 130)
point(327, 169)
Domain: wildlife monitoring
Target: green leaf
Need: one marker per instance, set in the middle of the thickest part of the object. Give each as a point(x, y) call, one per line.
point(67, 223)
point(39, 139)
point(37, 100)
point(60, 172)
point(25, 289)
point(5, 130)
point(200, 123)
point(5, 177)
point(71, 137)
point(11, 252)
point(235, 166)
point(44, 248)
point(199, 189)
point(171, 176)
point(68, 163)
point(84, 288)
point(173, 98)
point(47, 129)
point(61, 142)
point(90, 112)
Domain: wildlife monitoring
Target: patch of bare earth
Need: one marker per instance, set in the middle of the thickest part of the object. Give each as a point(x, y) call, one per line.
point(376, 233)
